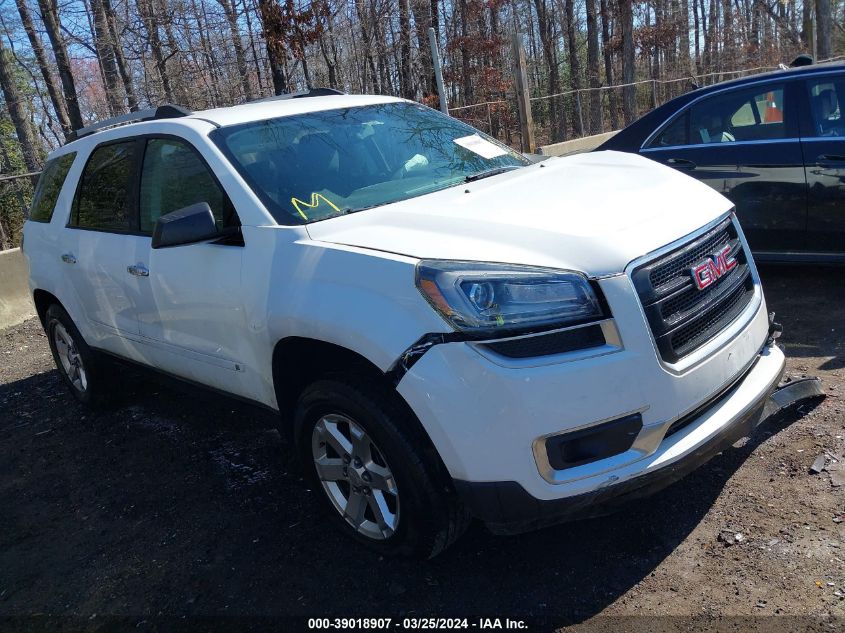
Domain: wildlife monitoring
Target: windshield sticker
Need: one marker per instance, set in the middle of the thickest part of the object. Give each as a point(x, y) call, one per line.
point(480, 146)
point(315, 202)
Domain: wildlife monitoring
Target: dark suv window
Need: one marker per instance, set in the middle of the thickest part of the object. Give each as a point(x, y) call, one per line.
point(825, 106)
point(174, 176)
point(49, 186)
point(753, 114)
point(103, 199)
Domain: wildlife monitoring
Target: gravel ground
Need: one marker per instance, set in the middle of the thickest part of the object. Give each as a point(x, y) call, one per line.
point(178, 504)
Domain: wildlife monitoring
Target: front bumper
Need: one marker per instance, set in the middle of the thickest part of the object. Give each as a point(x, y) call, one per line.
point(489, 417)
point(508, 508)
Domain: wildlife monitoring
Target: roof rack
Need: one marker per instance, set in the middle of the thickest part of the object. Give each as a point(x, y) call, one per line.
point(311, 92)
point(164, 111)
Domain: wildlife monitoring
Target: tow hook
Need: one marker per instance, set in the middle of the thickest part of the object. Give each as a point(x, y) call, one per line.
point(792, 390)
point(775, 329)
point(789, 390)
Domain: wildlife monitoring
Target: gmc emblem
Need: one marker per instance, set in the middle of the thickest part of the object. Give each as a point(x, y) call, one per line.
point(706, 272)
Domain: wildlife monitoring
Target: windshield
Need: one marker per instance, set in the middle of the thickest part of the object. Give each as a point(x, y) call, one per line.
point(318, 165)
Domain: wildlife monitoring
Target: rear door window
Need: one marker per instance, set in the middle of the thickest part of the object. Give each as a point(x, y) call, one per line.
point(49, 186)
point(103, 200)
point(825, 106)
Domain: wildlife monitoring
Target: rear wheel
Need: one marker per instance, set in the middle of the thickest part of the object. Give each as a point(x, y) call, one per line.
point(376, 475)
point(77, 363)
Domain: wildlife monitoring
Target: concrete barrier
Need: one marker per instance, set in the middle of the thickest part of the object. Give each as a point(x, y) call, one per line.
point(575, 146)
point(15, 303)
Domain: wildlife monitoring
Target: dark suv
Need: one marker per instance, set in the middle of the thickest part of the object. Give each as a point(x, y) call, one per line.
point(773, 143)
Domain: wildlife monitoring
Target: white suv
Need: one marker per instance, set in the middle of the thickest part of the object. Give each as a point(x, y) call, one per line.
point(446, 329)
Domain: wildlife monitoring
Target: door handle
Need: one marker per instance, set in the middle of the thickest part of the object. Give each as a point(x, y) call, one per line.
point(830, 158)
point(138, 270)
point(68, 258)
point(681, 162)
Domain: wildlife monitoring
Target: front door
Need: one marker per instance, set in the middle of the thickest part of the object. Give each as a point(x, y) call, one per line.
point(744, 143)
point(191, 313)
point(823, 143)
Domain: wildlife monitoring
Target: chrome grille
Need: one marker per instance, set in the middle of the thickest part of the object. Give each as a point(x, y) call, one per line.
point(682, 317)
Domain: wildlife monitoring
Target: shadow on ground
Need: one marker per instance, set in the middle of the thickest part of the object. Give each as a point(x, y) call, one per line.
point(185, 503)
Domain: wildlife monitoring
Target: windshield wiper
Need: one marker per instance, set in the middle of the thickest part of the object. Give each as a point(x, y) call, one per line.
point(490, 172)
point(349, 210)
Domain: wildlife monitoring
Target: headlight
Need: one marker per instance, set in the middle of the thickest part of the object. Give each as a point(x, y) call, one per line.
point(479, 296)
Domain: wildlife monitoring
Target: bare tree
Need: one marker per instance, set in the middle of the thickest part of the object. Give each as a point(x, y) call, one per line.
point(148, 17)
point(545, 20)
point(120, 58)
point(823, 19)
point(52, 24)
point(593, 71)
point(407, 89)
point(106, 57)
point(17, 110)
point(629, 91)
point(53, 90)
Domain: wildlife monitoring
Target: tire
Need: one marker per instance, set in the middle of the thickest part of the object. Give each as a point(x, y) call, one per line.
point(79, 366)
point(407, 506)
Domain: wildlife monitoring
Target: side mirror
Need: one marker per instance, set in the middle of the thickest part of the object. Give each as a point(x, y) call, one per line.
point(188, 225)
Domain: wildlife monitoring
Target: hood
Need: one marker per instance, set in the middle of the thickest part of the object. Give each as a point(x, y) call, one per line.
point(591, 212)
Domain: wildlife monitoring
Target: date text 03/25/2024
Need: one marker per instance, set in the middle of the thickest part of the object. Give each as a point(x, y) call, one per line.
point(376, 624)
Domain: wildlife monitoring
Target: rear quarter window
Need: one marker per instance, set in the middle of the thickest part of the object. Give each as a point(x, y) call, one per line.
point(49, 186)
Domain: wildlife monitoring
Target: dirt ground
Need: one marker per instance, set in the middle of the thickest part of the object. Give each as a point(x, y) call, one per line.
point(182, 504)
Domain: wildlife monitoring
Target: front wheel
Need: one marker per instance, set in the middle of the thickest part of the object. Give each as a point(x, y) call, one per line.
point(374, 471)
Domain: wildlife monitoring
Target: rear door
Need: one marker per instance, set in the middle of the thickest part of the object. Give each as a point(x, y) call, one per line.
point(744, 143)
point(102, 244)
point(823, 143)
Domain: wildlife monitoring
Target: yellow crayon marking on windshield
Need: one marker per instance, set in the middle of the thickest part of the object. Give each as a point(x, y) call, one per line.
point(315, 202)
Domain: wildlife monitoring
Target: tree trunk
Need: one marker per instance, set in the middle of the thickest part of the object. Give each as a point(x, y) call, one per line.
point(545, 22)
point(728, 35)
point(807, 25)
point(240, 59)
point(756, 48)
point(823, 20)
point(612, 97)
point(574, 65)
point(50, 16)
point(120, 58)
point(43, 65)
point(17, 110)
point(629, 92)
point(465, 55)
point(435, 24)
point(422, 20)
point(593, 71)
point(208, 54)
point(407, 85)
point(148, 17)
point(330, 65)
point(697, 32)
point(253, 48)
point(683, 25)
point(105, 52)
point(369, 65)
point(274, 37)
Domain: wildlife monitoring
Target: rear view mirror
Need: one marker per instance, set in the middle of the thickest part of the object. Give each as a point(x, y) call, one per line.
point(188, 225)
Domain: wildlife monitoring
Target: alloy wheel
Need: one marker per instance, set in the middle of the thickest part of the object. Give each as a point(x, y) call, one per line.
point(69, 357)
point(355, 476)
